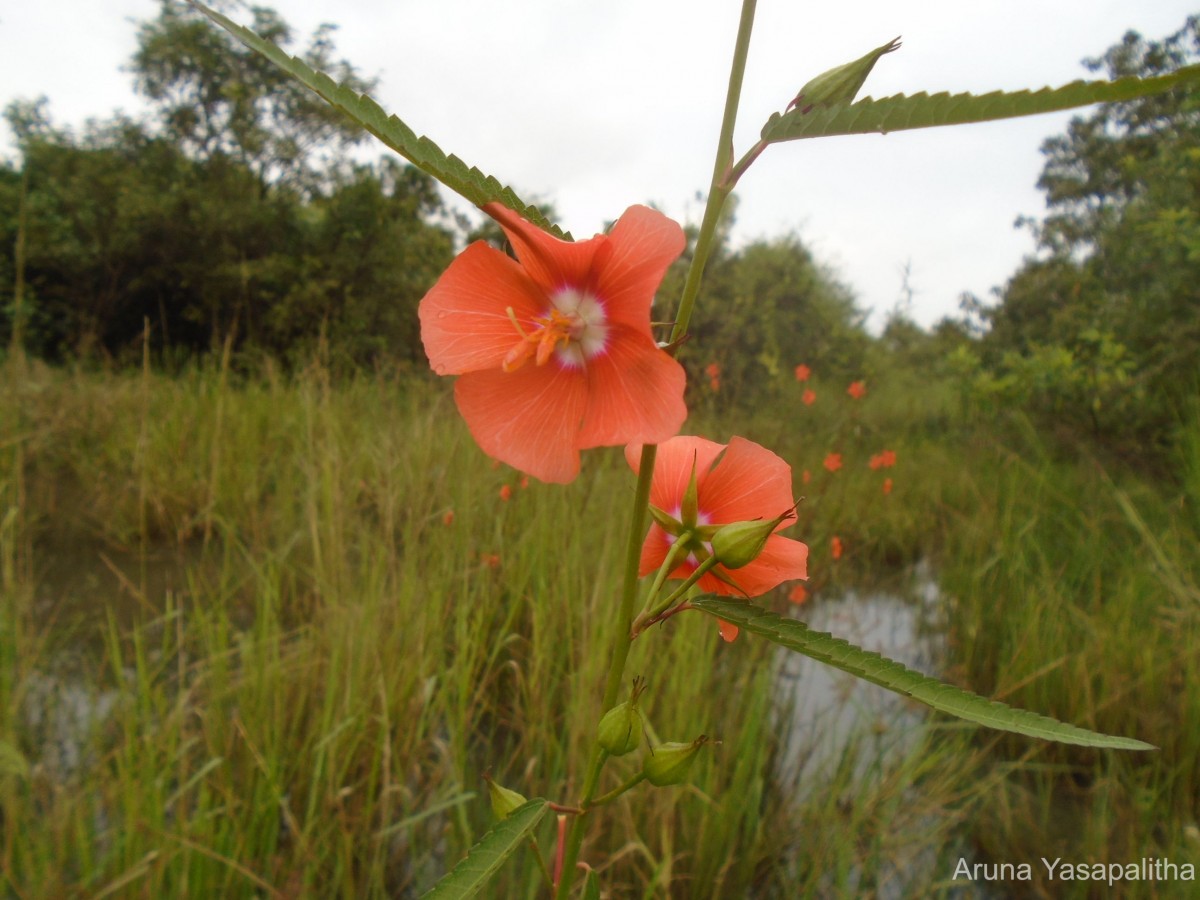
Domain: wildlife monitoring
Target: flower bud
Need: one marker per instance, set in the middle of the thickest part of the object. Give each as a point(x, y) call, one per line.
point(739, 543)
point(622, 727)
point(504, 801)
point(669, 763)
point(842, 83)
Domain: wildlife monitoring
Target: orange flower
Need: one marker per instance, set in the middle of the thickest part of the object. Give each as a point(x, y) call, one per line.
point(802, 372)
point(714, 384)
point(747, 482)
point(798, 594)
point(833, 462)
point(887, 486)
point(857, 390)
point(806, 476)
point(713, 370)
point(448, 517)
point(884, 460)
point(524, 482)
point(835, 547)
point(554, 352)
point(506, 493)
point(809, 397)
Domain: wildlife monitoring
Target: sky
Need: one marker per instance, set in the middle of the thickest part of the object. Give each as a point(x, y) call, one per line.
point(595, 106)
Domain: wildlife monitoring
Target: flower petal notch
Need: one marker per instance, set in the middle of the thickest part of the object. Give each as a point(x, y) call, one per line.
point(553, 350)
point(738, 483)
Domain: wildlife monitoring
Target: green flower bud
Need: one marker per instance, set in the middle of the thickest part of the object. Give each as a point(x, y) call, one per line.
point(622, 727)
point(669, 763)
point(842, 83)
point(739, 543)
point(504, 801)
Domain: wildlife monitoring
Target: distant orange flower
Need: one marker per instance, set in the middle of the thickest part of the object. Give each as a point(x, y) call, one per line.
point(887, 486)
point(802, 372)
point(448, 517)
point(554, 352)
point(884, 460)
point(524, 482)
point(806, 476)
point(835, 547)
point(833, 462)
point(857, 390)
point(506, 493)
point(809, 397)
point(491, 560)
point(798, 594)
point(714, 384)
point(713, 370)
point(748, 482)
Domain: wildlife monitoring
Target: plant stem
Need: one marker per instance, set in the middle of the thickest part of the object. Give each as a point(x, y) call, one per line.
point(621, 641)
point(722, 185)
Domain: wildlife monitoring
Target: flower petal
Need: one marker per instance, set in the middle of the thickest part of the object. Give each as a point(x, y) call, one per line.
point(635, 393)
point(528, 418)
point(464, 323)
point(750, 482)
point(644, 244)
point(551, 262)
point(673, 468)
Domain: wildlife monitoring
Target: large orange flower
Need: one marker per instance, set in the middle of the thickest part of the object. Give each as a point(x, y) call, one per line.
point(738, 483)
point(555, 352)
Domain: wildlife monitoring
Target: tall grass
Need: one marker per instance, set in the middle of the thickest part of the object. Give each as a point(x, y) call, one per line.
point(357, 626)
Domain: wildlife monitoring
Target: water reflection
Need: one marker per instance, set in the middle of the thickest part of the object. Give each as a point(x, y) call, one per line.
point(829, 711)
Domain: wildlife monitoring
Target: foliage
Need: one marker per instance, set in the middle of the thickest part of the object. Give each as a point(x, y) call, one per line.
point(236, 215)
point(1103, 332)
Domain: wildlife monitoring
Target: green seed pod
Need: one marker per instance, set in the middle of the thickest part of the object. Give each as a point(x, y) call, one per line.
point(670, 763)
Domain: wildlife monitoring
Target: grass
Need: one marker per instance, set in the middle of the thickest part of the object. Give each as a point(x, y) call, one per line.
point(357, 626)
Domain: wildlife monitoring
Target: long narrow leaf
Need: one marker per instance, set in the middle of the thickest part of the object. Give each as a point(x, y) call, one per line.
point(896, 677)
point(485, 858)
point(901, 112)
point(420, 151)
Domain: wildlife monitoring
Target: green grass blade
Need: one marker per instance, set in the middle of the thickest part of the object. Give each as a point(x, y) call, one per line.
point(420, 151)
point(901, 112)
point(894, 676)
point(485, 858)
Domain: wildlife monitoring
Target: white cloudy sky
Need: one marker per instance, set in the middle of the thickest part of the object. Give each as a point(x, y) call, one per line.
point(597, 105)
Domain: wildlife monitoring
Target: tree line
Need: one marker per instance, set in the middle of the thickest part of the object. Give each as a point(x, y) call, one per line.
point(236, 212)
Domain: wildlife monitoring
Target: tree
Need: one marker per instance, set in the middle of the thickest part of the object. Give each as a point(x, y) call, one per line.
point(216, 98)
point(1115, 299)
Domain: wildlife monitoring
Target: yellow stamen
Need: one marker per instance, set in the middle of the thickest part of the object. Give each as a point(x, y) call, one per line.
point(552, 329)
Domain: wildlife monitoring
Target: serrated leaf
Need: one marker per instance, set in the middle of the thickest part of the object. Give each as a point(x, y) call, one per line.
point(894, 676)
point(485, 857)
point(901, 112)
point(423, 153)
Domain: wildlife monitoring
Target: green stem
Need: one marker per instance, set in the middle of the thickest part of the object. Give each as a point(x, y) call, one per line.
point(619, 790)
point(704, 242)
point(722, 186)
point(620, 653)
